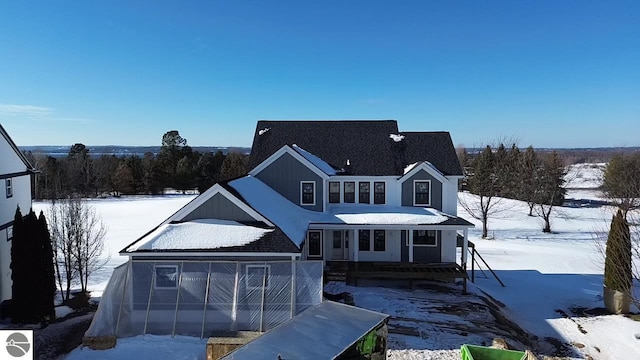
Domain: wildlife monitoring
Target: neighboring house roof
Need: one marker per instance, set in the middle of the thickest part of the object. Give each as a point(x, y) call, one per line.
point(213, 235)
point(15, 148)
point(370, 147)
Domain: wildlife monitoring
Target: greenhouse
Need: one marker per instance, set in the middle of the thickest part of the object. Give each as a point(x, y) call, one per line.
point(202, 298)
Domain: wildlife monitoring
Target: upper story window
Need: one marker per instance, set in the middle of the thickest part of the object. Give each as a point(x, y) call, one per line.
point(334, 192)
point(349, 192)
point(10, 233)
point(421, 192)
point(9, 186)
point(307, 193)
point(364, 192)
point(378, 192)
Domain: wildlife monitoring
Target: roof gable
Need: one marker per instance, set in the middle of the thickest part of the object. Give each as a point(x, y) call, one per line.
point(16, 150)
point(312, 162)
point(435, 147)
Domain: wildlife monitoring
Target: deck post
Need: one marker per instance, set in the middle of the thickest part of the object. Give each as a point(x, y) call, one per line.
point(410, 245)
point(473, 261)
point(356, 244)
point(465, 249)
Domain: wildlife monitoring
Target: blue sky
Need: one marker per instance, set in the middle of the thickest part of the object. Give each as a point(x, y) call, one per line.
point(546, 73)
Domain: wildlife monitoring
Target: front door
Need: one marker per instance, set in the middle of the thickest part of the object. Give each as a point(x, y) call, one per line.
point(340, 245)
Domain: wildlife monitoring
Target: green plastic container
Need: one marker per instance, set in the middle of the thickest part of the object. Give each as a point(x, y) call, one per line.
point(472, 352)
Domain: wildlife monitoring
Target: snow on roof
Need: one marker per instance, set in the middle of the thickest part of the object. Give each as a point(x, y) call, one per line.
point(294, 220)
point(318, 162)
point(410, 167)
point(263, 131)
point(289, 217)
point(199, 234)
point(381, 214)
point(396, 137)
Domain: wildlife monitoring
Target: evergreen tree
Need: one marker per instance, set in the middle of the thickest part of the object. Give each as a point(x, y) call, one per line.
point(621, 182)
point(47, 286)
point(617, 264)
point(528, 188)
point(234, 165)
point(18, 260)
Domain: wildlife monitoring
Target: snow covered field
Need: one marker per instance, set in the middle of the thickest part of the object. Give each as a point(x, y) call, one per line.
point(551, 281)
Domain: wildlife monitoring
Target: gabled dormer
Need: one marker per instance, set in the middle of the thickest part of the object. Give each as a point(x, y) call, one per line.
point(297, 175)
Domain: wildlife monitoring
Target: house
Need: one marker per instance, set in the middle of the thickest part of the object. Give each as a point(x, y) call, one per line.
point(248, 254)
point(15, 179)
point(358, 191)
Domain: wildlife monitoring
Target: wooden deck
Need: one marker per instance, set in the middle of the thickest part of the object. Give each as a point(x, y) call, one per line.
point(352, 271)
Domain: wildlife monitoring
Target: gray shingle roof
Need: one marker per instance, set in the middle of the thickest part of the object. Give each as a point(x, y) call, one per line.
point(365, 143)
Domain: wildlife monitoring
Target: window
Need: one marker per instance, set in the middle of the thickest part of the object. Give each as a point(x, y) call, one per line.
point(337, 239)
point(9, 186)
point(307, 193)
point(378, 193)
point(10, 233)
point(364, 237)
point(314, 239)
point(334, 192)
point(364, 191)
point(349, 192)
point(421, 192)
point(378, 240)
point(424, 238)
point(257, 275)
point(166, 277)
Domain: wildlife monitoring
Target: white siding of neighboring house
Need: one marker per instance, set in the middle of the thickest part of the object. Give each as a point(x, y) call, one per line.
point(10, 163)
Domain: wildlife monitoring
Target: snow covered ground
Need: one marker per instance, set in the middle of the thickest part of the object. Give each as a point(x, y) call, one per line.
point(552, 282)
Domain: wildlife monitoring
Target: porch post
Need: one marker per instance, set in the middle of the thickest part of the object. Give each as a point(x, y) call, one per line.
point(410, 245)
point(356, 244)
point(465, 248)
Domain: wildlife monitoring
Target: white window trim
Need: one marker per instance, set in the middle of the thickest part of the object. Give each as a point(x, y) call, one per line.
point(340, 198)
point(9, 232)
point(358, 195)
point(314, 192)
point(414, 192)
point(319, 256)
point(373, 241)
point(8, 184)
point(424, 245)
point(255, 266)
point(373, 196)
point(155, 282)
point(344, 193)
point(370, 240)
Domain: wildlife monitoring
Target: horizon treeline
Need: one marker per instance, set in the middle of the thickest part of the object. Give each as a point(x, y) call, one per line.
point(175, 166)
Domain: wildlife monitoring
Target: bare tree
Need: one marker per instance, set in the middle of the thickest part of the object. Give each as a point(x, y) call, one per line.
point(77, 234)
point(483, 182)
point(550, 180)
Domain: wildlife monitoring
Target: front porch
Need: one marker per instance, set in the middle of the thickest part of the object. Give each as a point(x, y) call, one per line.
point(352, 271)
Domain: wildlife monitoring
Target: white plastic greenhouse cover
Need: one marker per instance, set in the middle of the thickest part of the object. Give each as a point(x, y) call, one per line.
point(202, 298)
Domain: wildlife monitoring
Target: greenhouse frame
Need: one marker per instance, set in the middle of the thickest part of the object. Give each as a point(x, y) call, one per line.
point(203, 297)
